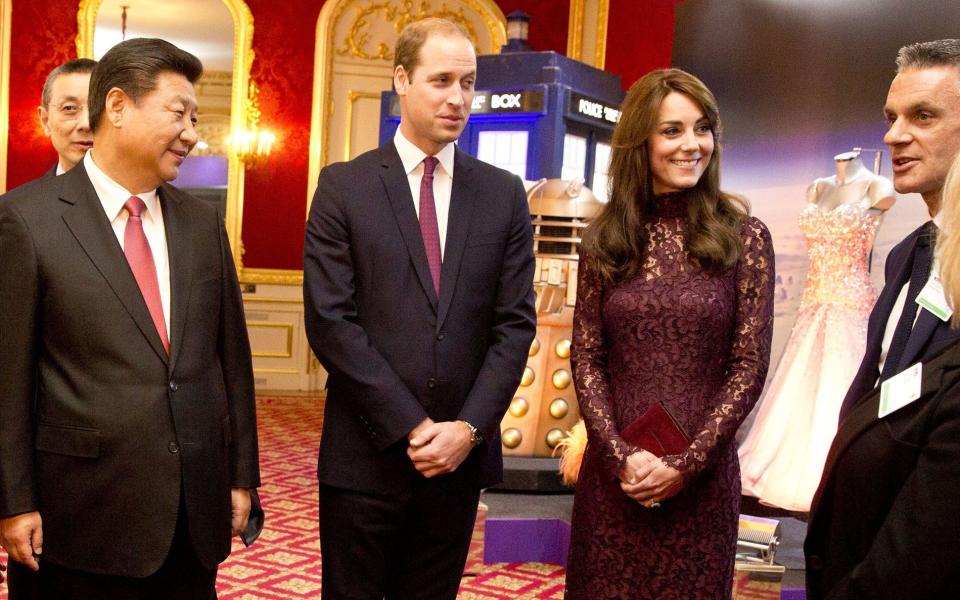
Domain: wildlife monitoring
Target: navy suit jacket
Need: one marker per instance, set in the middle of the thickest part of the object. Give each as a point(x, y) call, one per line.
point(929, 333)
point(396, 353)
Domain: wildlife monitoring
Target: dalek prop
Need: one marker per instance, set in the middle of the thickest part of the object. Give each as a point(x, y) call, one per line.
point(544, 407)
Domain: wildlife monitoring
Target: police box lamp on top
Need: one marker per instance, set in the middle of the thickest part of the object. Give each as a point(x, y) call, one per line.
point(518, 28)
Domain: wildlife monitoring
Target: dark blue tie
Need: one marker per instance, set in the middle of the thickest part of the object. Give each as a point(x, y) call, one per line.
point(919, 273)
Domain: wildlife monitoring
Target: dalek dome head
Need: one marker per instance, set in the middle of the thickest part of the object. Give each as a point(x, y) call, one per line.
point(564, 198)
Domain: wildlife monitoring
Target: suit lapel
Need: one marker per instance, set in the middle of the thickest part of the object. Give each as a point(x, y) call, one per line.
point(92, 230)
point(458, 228)
point(398, 191)
point(179, 249)
point(888, 297)
point(879, 317)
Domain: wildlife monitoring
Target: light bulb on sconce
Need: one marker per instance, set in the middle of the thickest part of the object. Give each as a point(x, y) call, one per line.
point(252, 145)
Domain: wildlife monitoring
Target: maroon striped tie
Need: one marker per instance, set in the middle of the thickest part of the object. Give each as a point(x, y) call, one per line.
point(429, 229)
point(138, 254)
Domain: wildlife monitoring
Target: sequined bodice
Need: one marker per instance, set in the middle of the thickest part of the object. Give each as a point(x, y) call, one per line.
point(838, 246)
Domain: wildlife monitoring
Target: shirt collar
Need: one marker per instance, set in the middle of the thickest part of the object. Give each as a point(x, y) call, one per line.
point(113, 195)
point(412, 157)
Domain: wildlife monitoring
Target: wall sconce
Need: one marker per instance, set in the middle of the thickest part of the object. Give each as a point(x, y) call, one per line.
point(252, 144)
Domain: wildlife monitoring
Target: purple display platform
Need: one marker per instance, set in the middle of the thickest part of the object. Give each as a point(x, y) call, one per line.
point(526, 540)
point(793, 594)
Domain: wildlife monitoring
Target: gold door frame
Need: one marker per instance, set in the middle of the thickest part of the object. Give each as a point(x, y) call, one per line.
point(322, 110)
point(242, 59)
point(320, 151)
point(576, 32)
point(5, 6)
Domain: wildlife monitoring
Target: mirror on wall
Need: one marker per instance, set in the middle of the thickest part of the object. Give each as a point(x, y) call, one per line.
point(218, 32)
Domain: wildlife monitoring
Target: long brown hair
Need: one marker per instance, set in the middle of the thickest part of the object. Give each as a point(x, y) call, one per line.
point(616, 240)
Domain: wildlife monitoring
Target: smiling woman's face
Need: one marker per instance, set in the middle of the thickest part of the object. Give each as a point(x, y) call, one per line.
point(681, 144)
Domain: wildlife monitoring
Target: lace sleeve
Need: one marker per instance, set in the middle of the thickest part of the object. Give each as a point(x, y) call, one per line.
point(749, 355)
point(589, 360)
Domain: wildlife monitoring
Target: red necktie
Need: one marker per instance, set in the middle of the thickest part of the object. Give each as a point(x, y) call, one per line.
point(138, 254)
point(429, 229)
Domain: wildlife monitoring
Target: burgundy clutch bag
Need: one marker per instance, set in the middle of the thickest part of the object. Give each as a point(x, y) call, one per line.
point(657, 432)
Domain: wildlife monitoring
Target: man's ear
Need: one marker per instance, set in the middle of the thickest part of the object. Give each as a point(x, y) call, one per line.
point(115, 104)
point(401, 80)
point(44, 115)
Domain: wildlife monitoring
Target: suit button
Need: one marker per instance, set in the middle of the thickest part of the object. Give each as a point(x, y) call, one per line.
point(814, 562)
point(440, 337)
point(431, 383)
point(174, 386)
point(173, 448)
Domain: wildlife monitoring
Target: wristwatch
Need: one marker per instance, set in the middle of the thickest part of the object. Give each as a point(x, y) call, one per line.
point(476, 438)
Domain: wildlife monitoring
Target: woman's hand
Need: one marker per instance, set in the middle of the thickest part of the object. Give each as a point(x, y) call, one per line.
point(649, 481)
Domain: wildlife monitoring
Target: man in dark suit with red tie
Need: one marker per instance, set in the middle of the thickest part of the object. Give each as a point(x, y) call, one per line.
point(418, 271)
point(128, 438)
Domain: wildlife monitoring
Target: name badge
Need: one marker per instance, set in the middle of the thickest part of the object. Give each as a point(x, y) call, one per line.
point(900, 390)
point(931, 298)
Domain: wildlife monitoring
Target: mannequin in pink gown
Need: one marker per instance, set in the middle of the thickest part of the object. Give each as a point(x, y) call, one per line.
point(783, 455)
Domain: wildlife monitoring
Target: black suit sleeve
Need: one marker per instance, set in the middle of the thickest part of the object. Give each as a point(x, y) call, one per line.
point(330, 314)
point(19, 296)
point(914, 554)
point(515, 324)
point(237, 365)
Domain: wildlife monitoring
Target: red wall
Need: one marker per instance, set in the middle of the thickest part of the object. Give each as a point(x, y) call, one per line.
point(639, 37)
point(43, 35)
point(549, 22)
point(275, 198)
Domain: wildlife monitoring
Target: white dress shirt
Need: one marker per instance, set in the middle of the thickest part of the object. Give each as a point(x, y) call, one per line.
point(412, 159)
point(902, 300)
point(112, 197)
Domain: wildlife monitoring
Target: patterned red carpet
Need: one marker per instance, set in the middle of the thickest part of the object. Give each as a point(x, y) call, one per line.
point(284, 564)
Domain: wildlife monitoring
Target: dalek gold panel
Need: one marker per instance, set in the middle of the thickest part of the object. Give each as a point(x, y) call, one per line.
point(544, 407)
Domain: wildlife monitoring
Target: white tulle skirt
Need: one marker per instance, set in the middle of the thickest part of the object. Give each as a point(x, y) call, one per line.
point(782, 457)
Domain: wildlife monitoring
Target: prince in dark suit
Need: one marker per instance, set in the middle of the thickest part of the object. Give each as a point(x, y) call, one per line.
point(923, 111)
point(127, 422)
point(419, 302)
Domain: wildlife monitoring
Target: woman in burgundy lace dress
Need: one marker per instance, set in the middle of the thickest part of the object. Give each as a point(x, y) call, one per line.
point(674, 304)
